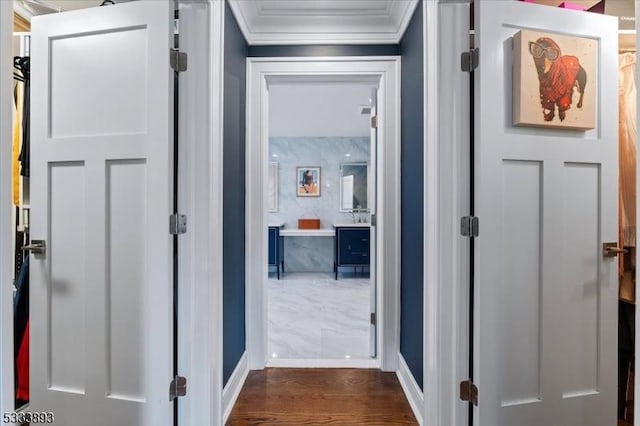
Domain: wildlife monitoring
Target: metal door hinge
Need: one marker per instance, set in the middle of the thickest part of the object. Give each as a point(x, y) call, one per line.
point(178, 387)
point(469, 392)
point(469, 60)
point(374, 122)
point(374, 318)
point(469, 226)
point(177, 224)
point(178, 60)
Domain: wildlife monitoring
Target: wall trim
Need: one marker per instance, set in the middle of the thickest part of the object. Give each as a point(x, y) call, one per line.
point(232, 390)
point(200, 182)
point(387, 70)
point(431, 362)
point(214, 197)
point(322, 363)
point(6, 274)
point(446, 297)
point(411, 389)
point(261, 28)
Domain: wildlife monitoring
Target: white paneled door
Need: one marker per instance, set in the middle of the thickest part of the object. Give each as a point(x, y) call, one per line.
point(101, 196)
point(546, 297)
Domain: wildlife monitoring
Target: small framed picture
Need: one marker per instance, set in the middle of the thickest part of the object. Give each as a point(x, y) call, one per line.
point(308, 181)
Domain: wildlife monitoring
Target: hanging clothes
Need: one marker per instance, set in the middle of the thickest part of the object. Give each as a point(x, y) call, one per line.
point(627, 151)
point(17, 137)
point(25, 152)
point(20, 331)
point(22, 370)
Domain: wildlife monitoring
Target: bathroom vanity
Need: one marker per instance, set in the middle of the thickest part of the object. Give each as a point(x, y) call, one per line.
point(352, 246)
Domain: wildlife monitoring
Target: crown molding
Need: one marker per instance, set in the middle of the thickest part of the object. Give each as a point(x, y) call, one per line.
point(385, 23)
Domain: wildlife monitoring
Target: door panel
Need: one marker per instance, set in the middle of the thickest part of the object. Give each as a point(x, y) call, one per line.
point(546, 299)
point(102, 140)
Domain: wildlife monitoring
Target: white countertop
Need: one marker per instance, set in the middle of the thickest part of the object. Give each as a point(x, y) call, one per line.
point(276, 225)
point(324, 232)
point(351, 225)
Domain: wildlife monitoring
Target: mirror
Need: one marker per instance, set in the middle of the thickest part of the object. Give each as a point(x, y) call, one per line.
point(353, 186)
point(272, 190)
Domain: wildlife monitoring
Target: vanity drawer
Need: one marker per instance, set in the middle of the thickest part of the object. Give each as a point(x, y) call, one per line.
point(352, 246)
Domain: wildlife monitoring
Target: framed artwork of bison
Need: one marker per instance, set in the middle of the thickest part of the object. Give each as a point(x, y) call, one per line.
point(554, 80)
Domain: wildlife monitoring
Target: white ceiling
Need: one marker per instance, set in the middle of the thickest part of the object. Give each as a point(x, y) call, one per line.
point(323, 21)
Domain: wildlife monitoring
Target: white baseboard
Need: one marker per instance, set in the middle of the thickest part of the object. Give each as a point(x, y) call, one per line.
point(411, 389)
point(322, 363)
point(232, 390)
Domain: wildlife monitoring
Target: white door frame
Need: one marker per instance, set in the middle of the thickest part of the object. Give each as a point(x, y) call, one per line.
point(387, 70)
point(6, 228)
point(201, 325)
point(446, 182)
point(200, 198)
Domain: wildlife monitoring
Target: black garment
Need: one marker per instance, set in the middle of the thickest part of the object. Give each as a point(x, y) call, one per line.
point(18, 254)
point(25, 152)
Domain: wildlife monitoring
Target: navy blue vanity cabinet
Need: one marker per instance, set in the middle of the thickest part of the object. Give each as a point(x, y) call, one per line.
point(351, 247)
point(276, 249)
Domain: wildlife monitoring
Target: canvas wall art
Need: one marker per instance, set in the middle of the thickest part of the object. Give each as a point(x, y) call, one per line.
point(555, 82)
point(308, 181)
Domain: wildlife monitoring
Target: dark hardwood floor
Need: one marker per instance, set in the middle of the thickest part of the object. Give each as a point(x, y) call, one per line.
point(321, 396)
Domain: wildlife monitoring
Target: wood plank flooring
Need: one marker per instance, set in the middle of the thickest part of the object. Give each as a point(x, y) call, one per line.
point(321, 396)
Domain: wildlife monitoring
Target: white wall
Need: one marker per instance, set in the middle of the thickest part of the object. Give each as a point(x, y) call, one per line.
point(318, 109)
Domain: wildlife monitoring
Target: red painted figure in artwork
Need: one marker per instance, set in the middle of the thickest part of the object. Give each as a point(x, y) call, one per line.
point(558, 75)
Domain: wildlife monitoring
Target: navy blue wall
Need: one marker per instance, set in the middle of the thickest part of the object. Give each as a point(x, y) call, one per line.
point(412, 196)
point(233, 213)
point(325, 50)
point(411, 49)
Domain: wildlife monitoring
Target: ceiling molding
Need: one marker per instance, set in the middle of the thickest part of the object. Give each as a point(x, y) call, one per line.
point(324, 22)
point(20, 24)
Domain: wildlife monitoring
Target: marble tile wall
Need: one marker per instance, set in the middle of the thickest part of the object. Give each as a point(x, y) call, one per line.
point(312, 254)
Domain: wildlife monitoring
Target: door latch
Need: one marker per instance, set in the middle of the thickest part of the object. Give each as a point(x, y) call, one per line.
point(36, 247)
point(611, 249)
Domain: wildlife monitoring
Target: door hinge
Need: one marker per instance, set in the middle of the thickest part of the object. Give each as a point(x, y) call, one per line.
point(469, 392)
point(177, 224)
point(178, 60)
point(374, 318)
point(469, 60)
point(374, 122)
point(373, 219)
point(469, 226)
point(177, 387)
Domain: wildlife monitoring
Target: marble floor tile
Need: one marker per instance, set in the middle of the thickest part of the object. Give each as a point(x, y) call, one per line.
point(311, 315)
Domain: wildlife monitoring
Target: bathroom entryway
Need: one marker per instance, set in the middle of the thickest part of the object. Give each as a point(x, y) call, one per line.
point(314, 188)
point(321, 195)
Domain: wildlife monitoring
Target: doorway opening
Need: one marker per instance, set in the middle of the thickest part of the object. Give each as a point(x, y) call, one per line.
point(266, 77)
point(321, 195)
point(627, 163)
